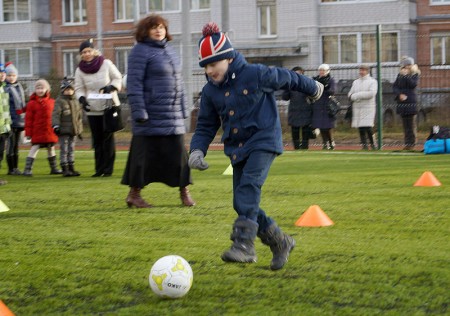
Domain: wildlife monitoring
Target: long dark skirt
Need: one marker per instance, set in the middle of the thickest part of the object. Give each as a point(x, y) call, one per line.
point(157, 159)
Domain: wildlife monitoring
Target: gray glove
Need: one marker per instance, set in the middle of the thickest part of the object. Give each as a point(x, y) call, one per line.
point(314, 98)
point(197, 160)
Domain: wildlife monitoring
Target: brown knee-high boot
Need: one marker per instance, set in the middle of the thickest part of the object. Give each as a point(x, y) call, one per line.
point(186, 198)
point(134, 199)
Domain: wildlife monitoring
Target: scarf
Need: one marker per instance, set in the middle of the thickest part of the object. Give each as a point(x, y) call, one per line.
point(93, 66)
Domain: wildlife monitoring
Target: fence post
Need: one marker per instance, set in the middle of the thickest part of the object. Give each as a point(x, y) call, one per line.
point(380, 91)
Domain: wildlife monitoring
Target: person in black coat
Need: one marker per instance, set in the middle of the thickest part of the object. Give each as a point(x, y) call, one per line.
point(321, 119)
point(299, 115)
point(405, 93)
point(158, 103)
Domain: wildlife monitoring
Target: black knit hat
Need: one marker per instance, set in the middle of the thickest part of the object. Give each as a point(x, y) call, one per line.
point(65, 83)
point(88, 43)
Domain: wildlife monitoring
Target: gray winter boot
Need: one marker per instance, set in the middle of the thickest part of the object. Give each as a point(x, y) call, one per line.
point(28, 167)
point(65, 170)
point(72, 170)
point(243, 237)
point(53, 166)
point(280, 244)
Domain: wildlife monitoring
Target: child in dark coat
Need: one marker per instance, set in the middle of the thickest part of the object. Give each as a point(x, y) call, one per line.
point(240, 97)
point(67, 124)
point(17, 107)
point(38, 127)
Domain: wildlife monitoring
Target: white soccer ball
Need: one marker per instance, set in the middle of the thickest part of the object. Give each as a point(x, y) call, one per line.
point(171, 277)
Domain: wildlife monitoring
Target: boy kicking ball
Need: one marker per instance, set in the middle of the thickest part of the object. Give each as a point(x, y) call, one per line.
point(240, 97)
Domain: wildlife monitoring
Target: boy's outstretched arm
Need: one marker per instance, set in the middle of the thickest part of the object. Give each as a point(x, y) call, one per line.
point(276, 78)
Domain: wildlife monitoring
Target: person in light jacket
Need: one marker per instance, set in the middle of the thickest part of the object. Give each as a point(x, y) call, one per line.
point(362, 94)
point(95, 75)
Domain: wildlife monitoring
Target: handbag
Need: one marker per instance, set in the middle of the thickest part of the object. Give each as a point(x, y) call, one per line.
point(333, 106)
point(113, 119)
point(349, 114)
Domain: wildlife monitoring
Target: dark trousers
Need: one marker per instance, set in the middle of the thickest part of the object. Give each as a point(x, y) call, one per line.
point(366, 133)
point(3, 138)
point(104, 146)
point(13, 148)
point(306, 132)
point(248, 178)
point(409, 130)
point(327, 136)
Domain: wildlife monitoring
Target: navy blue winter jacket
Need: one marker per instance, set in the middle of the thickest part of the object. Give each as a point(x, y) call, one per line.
point(155, 90)
point(406, 84)
point(245, 106)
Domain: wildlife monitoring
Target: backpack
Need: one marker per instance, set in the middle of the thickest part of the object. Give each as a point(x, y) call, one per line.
point(438, 142)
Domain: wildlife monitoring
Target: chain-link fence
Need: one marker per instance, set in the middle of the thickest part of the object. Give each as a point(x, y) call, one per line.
point(433, 103)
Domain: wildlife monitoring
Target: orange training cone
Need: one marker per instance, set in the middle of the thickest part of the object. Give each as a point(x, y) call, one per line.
point(427, 179)
point(4, 310)
point(314, 217)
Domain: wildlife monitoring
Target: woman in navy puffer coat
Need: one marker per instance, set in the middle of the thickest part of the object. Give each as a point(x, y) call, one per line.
point(158, 109)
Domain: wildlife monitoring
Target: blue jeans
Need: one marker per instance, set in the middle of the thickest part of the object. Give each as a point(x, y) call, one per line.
point(248, 178)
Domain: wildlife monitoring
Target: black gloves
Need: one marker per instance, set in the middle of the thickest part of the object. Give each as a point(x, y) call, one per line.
point(108, 89)
point(80, 137)
point(84, 103)
point(57, 130)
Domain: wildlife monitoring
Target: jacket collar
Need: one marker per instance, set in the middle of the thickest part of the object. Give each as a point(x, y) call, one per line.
point(234, 70)
point(148, 41)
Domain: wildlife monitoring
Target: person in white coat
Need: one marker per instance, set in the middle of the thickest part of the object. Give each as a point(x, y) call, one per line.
point(362, 94)
point(97, 75)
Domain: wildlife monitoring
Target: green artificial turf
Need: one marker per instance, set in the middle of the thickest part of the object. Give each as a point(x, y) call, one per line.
point(70, 246)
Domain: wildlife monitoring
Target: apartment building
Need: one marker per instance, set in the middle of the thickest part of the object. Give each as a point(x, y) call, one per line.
point(433, 40)
point(41, 36)
point(25, 36)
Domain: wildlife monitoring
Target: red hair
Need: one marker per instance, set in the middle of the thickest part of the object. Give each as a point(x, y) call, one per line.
point(144, 26)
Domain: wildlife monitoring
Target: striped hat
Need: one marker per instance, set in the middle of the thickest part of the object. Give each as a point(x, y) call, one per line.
point(214, 45)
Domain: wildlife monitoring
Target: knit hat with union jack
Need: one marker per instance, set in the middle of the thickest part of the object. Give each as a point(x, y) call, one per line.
point(214, 45)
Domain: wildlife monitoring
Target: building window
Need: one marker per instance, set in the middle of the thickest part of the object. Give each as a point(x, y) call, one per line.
point(74, 11)
point(15, 10)
point(440, 50)
point(445, 2)
point(124, 10)
point(358, 48)
point(163, 5)
point(200, 4)
point(70, 63)
point(122, 59)
point(347, 1)
point(267, 19)
point(21, 58)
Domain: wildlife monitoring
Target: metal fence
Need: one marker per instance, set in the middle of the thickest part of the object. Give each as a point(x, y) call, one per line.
point(433, 95)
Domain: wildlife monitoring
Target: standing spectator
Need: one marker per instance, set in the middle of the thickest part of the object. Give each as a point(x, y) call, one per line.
point(38, 127)
point(17, 106)
point(67, 124)
point(321, 119)
point(362, 94)
point(94, 75)
point(405, 93)
point(158, 110)
point(5, 116)
point(239, 97)
point(299, 115)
